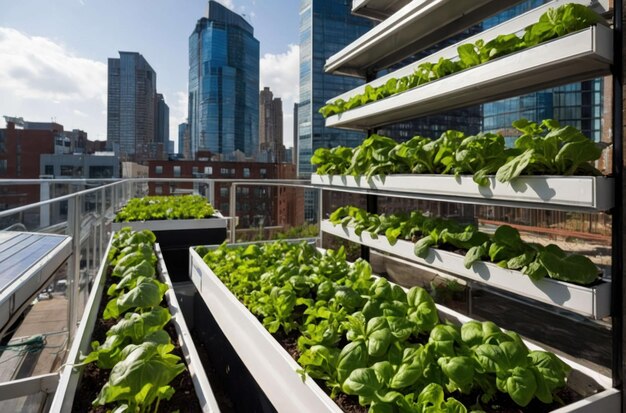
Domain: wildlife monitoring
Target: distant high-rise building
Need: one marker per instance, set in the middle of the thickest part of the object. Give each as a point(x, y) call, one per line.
point(163, 123)
point(271, 125)
point(326, 26)
point(182, 131)
point(294, 149)
point(131, 108)
point(223, 83)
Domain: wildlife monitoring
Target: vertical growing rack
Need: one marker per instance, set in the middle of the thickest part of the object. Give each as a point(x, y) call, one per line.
point(408, 27)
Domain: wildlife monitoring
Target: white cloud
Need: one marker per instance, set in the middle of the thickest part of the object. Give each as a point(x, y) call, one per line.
point(228, 3)
point(280, 72)
point(41, 79)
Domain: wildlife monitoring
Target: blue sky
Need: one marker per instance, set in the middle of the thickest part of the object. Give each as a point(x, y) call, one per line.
point(53, 54)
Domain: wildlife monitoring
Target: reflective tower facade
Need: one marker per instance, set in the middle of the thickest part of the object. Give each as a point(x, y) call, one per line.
point(132, 108)
point(577, 104)
point(223, 83)
point(326, 27)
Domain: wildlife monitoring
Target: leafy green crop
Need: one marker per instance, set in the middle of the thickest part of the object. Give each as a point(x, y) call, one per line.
point(165, 207)
point(505, 248)
point(558, 22)
point(542, 149)
point(366, 337)
point(136, 349)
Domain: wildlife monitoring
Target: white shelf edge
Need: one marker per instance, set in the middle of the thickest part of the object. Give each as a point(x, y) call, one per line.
point(377, 9)
point(578, 56)
point(277, 361)
point(513, 25)
point(584, 193)
point(414, 27)
point(172, 224)
point(592, 302)
point(204, 392)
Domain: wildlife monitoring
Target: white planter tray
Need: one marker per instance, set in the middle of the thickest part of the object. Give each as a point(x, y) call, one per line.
point(70, 376)
point(592, 302)
point(556, 192)
point(412, 28)
point(578, 56)
point(377, 9)
point(173, 224)
point(271, 366)
point(276, 372)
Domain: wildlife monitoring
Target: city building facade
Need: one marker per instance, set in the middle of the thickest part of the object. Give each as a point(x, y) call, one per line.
point(271, 125)
point(578, 104)
point(223, 83)
point(326, 27)
point(163, 123)
point(132, 108)
point(256, 204)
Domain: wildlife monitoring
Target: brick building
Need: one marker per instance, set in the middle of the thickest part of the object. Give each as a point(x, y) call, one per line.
point(20, 150)
point(255, 205)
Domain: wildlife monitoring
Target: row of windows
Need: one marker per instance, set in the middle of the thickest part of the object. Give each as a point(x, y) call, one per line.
point(208, 170)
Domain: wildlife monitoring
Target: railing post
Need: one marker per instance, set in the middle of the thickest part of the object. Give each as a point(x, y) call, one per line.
point(103, 211)
point(211, 192)
point(232, 212)
point(320, 212)
point(73, 270)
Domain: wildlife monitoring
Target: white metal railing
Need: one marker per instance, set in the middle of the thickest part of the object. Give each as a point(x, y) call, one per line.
point(87, 220)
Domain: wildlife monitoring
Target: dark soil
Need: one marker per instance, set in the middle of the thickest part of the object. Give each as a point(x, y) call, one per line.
point(349, 404)
point(289, 342)
point(93, 378)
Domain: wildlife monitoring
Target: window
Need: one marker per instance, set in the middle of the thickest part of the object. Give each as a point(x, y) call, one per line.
point(246, 172)
point(208, 170)
point(194, 170)
point(224, 171)
point(177, 171)
point(48, 170)
point(224, 191)
point(158, 170)
point(3, 166)
point(67, 170)
point(100, 172)
point(263, 173)
point(245, 190)
point(158, 189)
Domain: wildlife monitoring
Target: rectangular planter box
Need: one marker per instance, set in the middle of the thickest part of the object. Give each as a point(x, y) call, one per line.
point(582, 55)
point(277, 373)
point(583, 193)
point(175, 236)
point(70, 376)
point(410, 29)
point(172, 224)
point(594, 302)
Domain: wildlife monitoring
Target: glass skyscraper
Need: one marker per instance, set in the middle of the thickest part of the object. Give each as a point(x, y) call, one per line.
point(577, 104)
point(131, 108)
point(326, 27)
point(223, 83)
